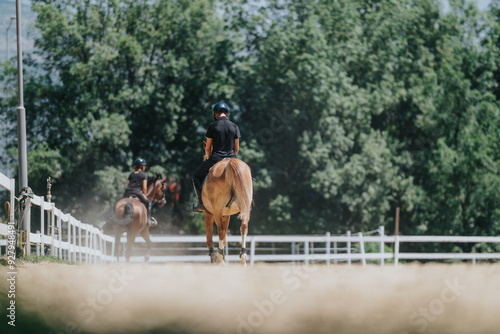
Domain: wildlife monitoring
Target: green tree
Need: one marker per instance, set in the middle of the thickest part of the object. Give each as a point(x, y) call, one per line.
point(114, 80)
point(348, 109)
point(326, 166)
point(463, 168)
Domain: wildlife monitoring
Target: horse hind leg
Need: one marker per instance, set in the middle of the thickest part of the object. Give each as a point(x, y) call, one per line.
point(209, 230)
point(130, 245)
point(145, 236)
point(243, 253)
point(222, 225)
point(216, 256)
point(117, 249)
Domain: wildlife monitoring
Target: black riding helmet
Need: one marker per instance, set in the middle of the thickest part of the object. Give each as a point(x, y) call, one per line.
point(220, 107)
point(139, 162)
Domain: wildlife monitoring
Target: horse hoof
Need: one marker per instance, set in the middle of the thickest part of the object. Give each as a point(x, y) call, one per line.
point(243, 259)
point(212, 254)
point(221, 261)
point(220, 258)
point(217, 260)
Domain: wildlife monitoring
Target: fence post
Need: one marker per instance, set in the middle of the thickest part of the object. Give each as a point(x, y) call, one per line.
point(349, 247)
point(306, 251)
point(103, 251)
point(95, 245)
point(42, 226)
point(37, 247)
point(381, 230)
point(27, 225)
point(86, 245)
point(335, 252)
point(396, 250)
point(113, 249)
point(362, 248)
point(75, 227)
point(328, 248)
point(71, 240)
point(52, 230)
point(59, 233)
point(80, 242)
point(69, 236)
point(89, 244)
point(252, 251)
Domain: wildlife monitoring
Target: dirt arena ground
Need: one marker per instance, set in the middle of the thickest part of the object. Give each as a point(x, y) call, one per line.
point(198, 298)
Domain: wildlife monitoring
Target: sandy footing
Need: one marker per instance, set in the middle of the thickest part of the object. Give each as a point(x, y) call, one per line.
point(197, 298)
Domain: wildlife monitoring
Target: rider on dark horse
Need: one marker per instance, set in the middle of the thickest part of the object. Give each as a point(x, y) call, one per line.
point(137, 185)
point(223, 141)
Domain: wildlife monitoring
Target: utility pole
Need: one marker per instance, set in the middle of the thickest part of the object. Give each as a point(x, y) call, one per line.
point(25, 191)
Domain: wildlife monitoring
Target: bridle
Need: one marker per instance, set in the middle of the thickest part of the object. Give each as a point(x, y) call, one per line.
point(164, 187)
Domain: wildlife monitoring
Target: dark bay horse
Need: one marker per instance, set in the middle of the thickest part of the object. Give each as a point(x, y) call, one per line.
point(130, 216)
point(227, 190)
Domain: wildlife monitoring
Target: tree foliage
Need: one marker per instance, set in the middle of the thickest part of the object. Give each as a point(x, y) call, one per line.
point(347, 108)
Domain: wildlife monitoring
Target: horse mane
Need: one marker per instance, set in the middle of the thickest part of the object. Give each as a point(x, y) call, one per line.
point(152, 180)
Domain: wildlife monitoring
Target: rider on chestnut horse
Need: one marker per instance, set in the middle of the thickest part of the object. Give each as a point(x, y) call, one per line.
point(137, 185)
point(223, 141)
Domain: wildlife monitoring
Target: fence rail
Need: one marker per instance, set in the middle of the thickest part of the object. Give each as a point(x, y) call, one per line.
point(316, 248)
point(66, 237)
point(70, 239)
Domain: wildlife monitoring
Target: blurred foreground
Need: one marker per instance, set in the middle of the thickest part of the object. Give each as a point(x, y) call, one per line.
point(187, 298)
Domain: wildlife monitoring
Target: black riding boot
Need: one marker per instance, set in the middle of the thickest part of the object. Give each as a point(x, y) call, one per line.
point(151, 220)
point(197, 184)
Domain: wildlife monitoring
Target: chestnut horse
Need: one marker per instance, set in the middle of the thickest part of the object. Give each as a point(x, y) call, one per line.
point(130, 216)
point(227, 190)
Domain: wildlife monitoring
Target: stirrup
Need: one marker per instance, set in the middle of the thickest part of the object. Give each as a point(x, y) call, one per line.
point(152, 222)
point(199, 207)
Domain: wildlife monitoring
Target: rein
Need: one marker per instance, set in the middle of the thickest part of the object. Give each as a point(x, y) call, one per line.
point(163, 187)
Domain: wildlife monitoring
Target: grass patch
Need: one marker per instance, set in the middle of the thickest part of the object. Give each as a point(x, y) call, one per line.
point(34, 259)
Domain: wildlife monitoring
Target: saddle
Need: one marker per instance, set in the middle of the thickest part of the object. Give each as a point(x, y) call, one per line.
point(133, 197)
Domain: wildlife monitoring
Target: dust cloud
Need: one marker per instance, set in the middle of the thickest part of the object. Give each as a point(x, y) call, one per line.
point(265, 298)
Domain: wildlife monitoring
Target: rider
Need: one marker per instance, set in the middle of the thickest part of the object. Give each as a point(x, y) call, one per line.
point(223, 141)
point(137, 185)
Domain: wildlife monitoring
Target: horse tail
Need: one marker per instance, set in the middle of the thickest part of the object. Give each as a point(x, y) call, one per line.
point(238, 176)
point(126, 218)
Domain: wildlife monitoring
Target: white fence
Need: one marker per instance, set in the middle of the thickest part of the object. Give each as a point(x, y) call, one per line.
point(72, 240)
point(66, 238)
point(313, 248)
